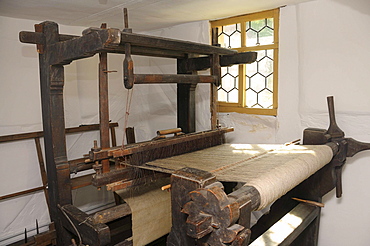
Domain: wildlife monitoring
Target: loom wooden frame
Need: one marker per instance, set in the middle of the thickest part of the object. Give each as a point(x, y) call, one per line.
point(56, 50)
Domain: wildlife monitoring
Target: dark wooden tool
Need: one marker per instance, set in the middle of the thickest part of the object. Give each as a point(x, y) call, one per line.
point(348, 147)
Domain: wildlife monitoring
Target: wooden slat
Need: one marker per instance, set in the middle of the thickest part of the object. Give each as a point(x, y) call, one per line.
point(22, 193)
point(30, 135)
point(81, 181)
point(202, 63)
point(173, 78)
point(172, 44)
point(38, 37)
point(298, 219)
point(111, 214)
point(127, 242)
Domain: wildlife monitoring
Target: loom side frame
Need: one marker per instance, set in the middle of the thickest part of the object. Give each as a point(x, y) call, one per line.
point(56, 50)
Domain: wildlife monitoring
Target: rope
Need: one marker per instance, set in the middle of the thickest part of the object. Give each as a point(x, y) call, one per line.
point(127, 113)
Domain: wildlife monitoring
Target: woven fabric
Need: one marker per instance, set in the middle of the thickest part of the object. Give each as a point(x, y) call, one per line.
point(272, 169)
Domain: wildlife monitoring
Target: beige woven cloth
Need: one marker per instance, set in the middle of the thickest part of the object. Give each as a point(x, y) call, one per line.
point(272, 169)
point(151, 211)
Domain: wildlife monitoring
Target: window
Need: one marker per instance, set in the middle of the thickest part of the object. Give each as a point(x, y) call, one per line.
point(250, 88)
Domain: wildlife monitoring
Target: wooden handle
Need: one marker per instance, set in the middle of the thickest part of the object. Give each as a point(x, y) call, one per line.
point(333, 130)
point(169, 131)
point(166, 187)
point(125, 16)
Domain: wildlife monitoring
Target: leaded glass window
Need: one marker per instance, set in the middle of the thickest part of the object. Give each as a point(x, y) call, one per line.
point(250, 88)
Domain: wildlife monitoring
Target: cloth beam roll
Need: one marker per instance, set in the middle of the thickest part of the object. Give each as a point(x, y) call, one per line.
point(272, 169)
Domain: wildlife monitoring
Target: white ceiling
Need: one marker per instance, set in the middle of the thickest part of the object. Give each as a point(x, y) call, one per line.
point(144, 15)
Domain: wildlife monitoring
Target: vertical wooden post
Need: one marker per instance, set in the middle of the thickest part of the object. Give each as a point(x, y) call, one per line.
point(42, 169)
point(215, 70)
point(130, 135)
point(185, 101)
point(52, 82)
point(104, 104)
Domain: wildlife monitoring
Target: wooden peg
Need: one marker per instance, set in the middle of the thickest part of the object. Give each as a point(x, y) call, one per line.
point(318, 204)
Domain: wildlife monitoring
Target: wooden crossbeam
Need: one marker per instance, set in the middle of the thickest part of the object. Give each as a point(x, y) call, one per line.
point(172, 44)
point(30, 135)
point(95, 40)
point(149, 145)
point(173, 78)
point(202, 63)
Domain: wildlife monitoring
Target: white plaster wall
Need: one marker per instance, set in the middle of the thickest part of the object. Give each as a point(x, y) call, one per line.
point(334, 51)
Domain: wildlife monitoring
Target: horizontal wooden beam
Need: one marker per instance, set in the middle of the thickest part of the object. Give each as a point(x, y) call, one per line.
point(119, 175)
point(149, 145)
point(135, 181)
point(81, 181)
point(77, 48)
point(30, 135)
point(94, 40)
point(173, 78)
point(38, 37)
point(91, 234)
point(20, 193)
point(146, 51)
point(298, 219)
point(202, 63)
point(110, 214)
point(144, 146)
point(172, 44)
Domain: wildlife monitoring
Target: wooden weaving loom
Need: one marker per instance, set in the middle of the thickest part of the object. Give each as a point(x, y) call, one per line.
point(203, 212)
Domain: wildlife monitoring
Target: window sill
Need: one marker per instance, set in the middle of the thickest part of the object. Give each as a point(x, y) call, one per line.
point(259, 111)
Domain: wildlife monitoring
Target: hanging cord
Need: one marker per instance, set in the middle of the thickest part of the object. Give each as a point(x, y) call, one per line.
point(127, 113)
point(70, 221)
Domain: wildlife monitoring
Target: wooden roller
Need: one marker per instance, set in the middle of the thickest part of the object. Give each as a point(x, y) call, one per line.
point(162, 133)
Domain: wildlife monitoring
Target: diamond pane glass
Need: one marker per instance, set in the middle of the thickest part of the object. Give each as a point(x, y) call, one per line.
point(230, 36)
point(229, 89)
point(260, 32)
point(259, 81)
